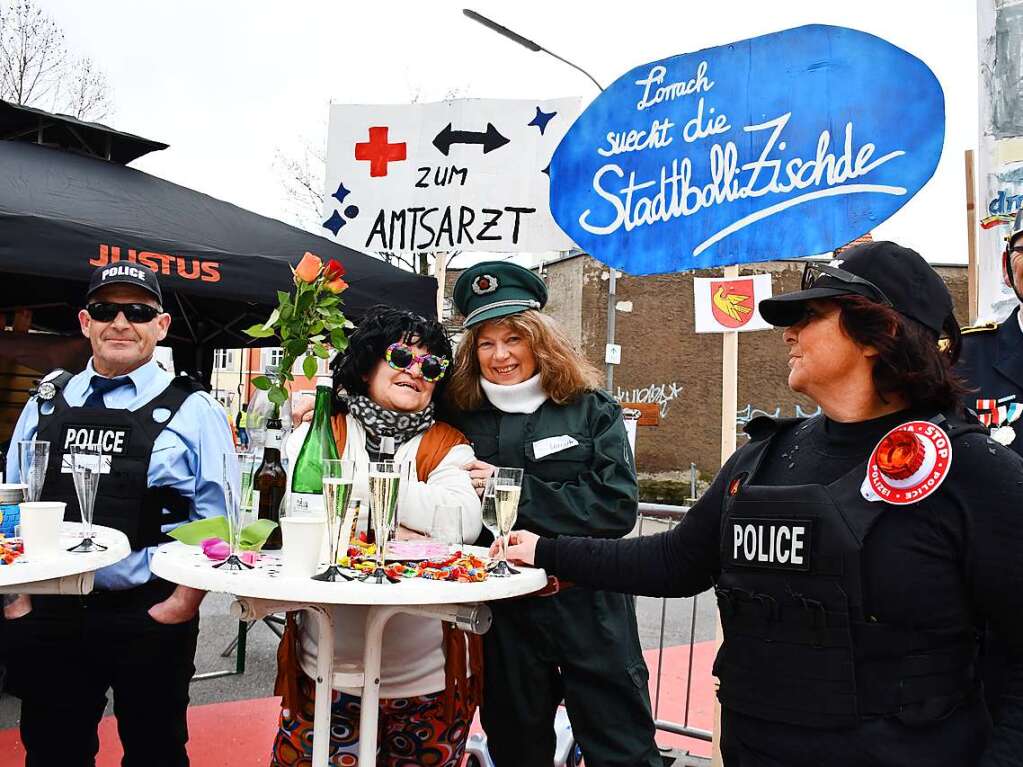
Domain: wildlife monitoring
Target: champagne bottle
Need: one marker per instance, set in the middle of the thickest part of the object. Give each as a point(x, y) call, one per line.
point(271, 482)
point(307, 476)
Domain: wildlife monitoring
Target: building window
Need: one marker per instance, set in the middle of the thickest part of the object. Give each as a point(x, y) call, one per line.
point(223, 359)
point(272, 357)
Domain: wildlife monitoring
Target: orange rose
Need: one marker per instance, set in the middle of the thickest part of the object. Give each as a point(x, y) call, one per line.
point(308, 268)
point(336, 286)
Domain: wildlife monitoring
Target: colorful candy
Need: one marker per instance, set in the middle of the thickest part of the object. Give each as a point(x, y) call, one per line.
point(460, 567)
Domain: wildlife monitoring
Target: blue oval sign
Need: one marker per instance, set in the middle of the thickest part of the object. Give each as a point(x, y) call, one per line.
point(780, 146)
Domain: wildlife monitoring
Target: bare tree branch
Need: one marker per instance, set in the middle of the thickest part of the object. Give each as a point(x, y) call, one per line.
point(37, 69)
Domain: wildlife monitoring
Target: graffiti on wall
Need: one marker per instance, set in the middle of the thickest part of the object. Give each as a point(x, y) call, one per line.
point(748, 413)
point(660, 394)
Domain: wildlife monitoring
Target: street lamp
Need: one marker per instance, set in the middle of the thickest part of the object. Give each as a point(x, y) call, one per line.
point(525, 42)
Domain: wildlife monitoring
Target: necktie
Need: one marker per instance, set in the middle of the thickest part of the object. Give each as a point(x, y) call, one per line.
point(101, 386)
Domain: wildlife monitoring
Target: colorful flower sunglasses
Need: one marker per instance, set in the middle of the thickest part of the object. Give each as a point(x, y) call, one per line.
point(401, 357)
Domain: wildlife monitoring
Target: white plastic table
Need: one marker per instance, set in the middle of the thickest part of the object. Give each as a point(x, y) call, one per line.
point(65, 572)
point(263, 590)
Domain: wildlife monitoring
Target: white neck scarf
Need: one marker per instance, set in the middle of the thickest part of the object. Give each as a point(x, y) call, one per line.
point(523, 397)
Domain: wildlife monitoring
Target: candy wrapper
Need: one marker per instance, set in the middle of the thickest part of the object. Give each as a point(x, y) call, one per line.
point(216, 549)
point(10, 549)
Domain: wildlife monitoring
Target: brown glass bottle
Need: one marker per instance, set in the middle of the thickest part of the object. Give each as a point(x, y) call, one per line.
point(271, 482)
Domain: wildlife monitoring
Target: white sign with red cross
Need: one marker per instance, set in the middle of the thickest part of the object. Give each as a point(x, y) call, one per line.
point(466, 174)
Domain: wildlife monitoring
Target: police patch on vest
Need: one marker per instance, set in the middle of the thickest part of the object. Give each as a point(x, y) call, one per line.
point(771, 544)
point(111, 441)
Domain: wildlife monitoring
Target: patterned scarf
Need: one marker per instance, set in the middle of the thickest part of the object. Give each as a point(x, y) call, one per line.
point(394, 424)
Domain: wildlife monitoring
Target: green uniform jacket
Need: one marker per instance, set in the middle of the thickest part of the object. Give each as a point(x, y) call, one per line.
point(587, 489)
point(580, 643)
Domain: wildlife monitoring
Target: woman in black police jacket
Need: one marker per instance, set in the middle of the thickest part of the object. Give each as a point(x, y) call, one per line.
point(853, 569)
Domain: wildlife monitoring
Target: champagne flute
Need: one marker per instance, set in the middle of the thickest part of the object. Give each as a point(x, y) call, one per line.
point(384, 481)
point(232, 503)
point(87, 463)
point(337, 492)
point(33, 459)
point(247, 464)
point(507, 485)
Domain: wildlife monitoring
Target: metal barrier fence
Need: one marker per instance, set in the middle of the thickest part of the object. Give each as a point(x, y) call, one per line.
point(671, 516)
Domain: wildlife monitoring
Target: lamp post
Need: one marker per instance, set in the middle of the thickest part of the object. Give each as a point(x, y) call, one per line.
point(528, 44)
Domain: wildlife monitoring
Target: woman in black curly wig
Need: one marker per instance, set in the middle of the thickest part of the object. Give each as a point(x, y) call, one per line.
point(386, 383)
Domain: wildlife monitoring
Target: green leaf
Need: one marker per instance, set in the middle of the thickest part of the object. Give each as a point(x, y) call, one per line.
point(274, 316)
point(277, 395)
point(258, 331)
point(283, 298)
point(261, 382)
point(287, 312)
point(338, 340)
point(305, 300)
point(315, 328)
point(320, 351)
point(329, 301)
point(309, 366)
point(296, 347)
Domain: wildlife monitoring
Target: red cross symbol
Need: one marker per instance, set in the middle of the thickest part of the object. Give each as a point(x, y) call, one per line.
point(379, 152)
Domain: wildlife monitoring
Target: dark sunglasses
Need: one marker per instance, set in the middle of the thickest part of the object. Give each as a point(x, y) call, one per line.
point(105, 311)
point(401, 357)
point(813, 272)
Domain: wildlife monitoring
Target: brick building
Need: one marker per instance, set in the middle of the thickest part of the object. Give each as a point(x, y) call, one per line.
point(665, 362)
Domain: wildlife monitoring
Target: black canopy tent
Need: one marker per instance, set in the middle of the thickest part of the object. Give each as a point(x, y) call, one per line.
point(63, 213)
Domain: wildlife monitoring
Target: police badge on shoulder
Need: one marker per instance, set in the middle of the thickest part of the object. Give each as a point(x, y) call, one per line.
point(908, 464)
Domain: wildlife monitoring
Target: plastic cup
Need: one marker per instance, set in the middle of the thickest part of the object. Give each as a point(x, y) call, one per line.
point(303, 538)
point(40, 527)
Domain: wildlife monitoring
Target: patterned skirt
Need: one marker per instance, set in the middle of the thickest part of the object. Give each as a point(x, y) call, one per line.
point(412, 732)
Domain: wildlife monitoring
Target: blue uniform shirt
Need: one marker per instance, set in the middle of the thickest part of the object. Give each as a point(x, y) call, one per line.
point(186, 456)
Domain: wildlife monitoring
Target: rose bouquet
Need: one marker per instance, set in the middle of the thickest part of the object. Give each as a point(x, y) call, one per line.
point(305, 321)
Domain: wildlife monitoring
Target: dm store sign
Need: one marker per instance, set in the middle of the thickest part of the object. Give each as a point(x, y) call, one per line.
point(786, 145)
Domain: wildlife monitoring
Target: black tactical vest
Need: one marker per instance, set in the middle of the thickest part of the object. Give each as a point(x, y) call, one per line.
point(124, 499)
point(798, 647)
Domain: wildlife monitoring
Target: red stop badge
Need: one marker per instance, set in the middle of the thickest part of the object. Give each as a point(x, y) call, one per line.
point(908, 464)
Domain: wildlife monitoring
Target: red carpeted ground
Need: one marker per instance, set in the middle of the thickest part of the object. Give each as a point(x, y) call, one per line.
point(239, 733)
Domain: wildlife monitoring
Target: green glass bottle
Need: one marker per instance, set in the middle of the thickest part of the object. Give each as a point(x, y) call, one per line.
point(319, 444)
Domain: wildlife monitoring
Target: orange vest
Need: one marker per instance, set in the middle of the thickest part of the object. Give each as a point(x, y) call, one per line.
point(462, 692)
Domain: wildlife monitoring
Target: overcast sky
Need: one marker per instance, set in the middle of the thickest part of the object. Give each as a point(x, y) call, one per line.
point(228, 84)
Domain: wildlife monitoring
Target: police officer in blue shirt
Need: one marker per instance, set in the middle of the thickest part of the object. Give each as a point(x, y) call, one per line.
point(992, 357)
point(135, 634)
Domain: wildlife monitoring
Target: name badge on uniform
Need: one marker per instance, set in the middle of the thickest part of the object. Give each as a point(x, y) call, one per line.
point(86, 462)
point(550, 445)
point(771, 544)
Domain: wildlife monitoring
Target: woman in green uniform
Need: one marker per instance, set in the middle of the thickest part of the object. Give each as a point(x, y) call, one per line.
point(527, 399)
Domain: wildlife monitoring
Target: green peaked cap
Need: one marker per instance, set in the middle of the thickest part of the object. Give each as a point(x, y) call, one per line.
point(496, 289)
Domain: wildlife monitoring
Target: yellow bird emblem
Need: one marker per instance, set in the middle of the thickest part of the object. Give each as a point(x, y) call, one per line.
point(731, 304)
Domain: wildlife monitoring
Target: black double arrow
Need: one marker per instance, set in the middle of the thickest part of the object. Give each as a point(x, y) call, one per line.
point(491, 139)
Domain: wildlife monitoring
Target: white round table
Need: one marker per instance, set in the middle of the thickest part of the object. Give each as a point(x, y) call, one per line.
point(263, 590)
point(64, 572)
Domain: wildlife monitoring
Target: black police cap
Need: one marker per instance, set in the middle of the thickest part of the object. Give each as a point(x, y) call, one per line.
point(126, 273)
point(901, 275)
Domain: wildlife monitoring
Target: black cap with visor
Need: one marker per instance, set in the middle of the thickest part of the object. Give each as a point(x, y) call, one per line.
point(883, 272)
